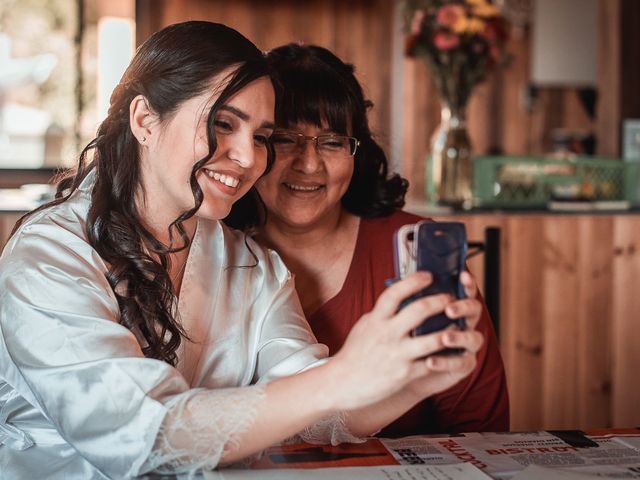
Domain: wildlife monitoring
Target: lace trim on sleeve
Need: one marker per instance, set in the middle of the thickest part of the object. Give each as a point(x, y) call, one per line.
point(199, 429)
point(331, 429)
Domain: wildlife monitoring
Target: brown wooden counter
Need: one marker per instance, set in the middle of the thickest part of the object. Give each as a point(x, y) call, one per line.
point(7, 220)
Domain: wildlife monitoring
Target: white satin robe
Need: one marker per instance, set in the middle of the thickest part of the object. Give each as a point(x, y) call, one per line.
point(77, 397)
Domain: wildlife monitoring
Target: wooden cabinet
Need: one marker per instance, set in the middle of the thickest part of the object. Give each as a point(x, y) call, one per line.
point(570, 314)
point(7, 221)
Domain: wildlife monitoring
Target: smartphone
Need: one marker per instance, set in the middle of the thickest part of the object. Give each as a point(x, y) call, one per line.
point(441, 248)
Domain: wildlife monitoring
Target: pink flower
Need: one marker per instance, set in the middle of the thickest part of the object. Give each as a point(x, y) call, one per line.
point(448, 15)
point(446, 41)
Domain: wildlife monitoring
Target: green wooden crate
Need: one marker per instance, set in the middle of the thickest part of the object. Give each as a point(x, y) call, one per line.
point(531, 182)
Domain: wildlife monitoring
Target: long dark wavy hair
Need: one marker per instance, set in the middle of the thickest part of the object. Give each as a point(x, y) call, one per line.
point(171, 67)
point(316, 87)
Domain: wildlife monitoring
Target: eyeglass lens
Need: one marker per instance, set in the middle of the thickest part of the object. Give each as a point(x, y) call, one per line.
point(328, 144)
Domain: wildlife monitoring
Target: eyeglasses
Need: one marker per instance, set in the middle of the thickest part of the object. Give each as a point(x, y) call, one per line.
point(327, 145)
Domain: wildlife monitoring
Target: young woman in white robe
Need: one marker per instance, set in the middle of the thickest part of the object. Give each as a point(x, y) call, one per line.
point(139, 334)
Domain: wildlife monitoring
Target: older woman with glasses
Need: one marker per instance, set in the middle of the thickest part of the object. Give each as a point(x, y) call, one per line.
point(330, 208)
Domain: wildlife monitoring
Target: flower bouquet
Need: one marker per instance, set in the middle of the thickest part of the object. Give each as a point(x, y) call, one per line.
point(461, 41)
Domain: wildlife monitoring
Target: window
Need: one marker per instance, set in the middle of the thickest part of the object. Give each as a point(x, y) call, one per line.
point(56, 75)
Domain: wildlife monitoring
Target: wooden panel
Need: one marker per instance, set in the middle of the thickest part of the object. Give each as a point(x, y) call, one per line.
point(608, 118)
point(7, 221)
point(560, 284)
point(517, 119)
point(626, 312)
point(420, 119)
point(618, 71)
point(594, 319)
point(15, 178)
point(629, 49)
point(522, 319)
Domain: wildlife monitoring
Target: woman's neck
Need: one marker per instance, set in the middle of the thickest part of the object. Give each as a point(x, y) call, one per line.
point(287, 238)
point(158, 225)
point(319, 256)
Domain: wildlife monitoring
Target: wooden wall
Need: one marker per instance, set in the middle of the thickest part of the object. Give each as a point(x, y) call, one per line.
point(7, 221)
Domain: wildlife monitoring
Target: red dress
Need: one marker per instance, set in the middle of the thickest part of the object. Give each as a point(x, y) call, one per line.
point(477, 403)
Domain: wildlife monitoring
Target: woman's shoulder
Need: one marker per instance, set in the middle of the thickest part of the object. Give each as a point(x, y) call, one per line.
point(67, 216)
point(48, 262)
point(55, 233)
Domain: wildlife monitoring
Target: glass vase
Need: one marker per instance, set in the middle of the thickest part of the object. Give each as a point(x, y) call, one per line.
point(450, 174)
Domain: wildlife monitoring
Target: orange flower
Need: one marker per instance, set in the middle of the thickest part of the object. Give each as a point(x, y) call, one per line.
point(446, 41)
point(469, 26)
point(486, 10)
point(449, 15)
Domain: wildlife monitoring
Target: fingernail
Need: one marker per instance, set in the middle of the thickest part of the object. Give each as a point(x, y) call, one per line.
point(426, 275)
point(452, 311)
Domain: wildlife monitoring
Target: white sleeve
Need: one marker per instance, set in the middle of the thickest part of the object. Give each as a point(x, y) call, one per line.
point(199, 428)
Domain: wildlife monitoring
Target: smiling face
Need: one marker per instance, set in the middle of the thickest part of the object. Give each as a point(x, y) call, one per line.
point(304, 188)
point(242, 128)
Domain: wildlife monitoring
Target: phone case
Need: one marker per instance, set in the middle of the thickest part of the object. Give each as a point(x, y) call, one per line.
point(440, 248)
point(404, 253)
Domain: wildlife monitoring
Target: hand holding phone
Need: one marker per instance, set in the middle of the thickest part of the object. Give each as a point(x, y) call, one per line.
point(441, 249)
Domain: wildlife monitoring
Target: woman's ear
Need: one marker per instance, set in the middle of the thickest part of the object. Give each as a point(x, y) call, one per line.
point(141, 119)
